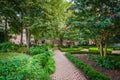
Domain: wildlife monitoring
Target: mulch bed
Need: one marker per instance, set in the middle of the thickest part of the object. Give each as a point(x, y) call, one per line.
point(114, 74)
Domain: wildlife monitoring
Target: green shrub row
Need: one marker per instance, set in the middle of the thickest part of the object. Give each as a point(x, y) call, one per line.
point(76, 46)
point(43, 54)
point(115, 47)
point(70, 49)
point(78, 51)
point(95, 49)
point(90, 72)
point(46, 62)
point(8, 47)
point(37, 50)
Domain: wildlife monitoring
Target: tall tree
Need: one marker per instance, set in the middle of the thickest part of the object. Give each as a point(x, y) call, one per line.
point(6, 13)
point(53, 16)
point(98, 19)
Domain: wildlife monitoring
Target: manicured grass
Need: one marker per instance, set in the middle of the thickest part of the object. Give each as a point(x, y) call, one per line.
point(70, 49)
point(96, 49)
point(8, 55)
point(22, 49)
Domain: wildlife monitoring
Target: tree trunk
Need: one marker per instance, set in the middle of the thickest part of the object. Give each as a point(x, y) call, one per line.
point(21, 42)
point(101, 49)
point(28, 38)
point(5, 32)
point(105, 49)
point(71, 44)
point(61, 41)
point(36, 41)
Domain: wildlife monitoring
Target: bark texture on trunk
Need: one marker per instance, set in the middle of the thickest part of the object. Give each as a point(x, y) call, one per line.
point(5, 32)
point(101, 49)
point(105, 49)
point(35, 40)
point(28, 38)
point(21, 42)
point(61, 41)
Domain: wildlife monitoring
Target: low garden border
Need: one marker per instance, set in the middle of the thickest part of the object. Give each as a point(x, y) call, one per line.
point(89, 71)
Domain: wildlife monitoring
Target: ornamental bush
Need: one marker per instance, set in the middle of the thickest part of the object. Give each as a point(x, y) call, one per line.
point(46, 62)
point(22, 67)
point(8, 47)
point(109, 62)
point(37, 50)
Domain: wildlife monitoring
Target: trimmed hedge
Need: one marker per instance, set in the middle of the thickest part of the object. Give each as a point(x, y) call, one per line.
point(70, 49)
point(89, 71)
point(115, 47)
point(95, 49)
point(84, 52)
point(73, 51)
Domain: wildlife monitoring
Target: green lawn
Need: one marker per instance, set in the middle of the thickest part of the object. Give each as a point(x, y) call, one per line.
point(8, 55)
point(96, 49)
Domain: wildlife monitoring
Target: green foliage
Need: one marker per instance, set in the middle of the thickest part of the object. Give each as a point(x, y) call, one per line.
point(115, 47)
point(68, 49)
point(84, 52)
point(97, 22)
point(46, 62)
point(88, 46)
point(43, 56)
point(37, 50)
point(108, 62)
point(51, 45)
point(8, 47)
point(22, 49)
point(7, 55)
point(115, 60)
point(24, 67)
point(21, 68)
point(95, 49)
point(103, 61)
point(89, 71)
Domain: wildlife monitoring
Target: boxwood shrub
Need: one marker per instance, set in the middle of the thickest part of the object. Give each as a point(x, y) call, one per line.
point(115, 47)
point(70, 49)
point(95, 49)
point(89, 71)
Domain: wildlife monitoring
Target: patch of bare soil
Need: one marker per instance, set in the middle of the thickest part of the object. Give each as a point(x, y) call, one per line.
point(114, 74)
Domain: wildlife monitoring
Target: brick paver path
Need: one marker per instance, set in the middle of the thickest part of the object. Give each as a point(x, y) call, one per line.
point(65, 70)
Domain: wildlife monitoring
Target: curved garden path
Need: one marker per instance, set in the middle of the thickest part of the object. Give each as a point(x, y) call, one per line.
point(65, 70)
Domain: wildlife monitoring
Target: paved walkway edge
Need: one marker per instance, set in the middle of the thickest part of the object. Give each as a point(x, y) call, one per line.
point(65, 70)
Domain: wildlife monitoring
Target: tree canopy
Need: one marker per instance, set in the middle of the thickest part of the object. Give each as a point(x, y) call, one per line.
point(97, 19)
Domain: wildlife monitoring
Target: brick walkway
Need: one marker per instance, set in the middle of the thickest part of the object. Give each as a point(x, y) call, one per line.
point(65, 70)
